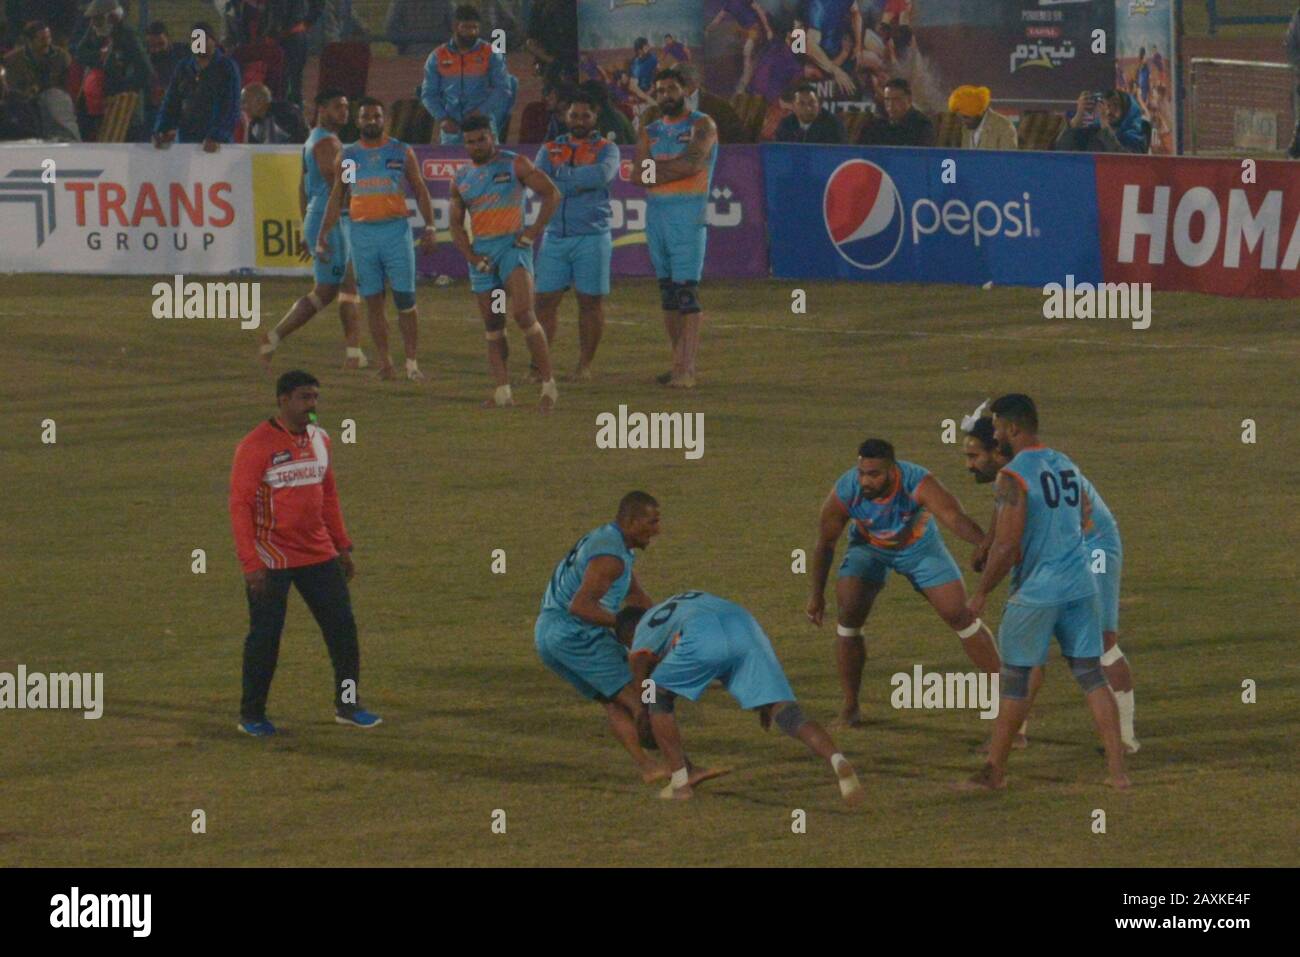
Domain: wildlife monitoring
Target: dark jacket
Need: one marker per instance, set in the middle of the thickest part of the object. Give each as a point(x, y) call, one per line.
point(283, 123)
point(915, 130)
point(201, 104)
point(126, 66)
point(825, 128)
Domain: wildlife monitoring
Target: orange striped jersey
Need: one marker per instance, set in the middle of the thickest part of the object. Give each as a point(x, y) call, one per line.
point(895, 521)
point(493, 195)
point(668, 140)
point(379, 192)
point(284, 507)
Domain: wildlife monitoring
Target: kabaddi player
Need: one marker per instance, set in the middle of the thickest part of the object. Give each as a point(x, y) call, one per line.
point(890, 504)
point(381, 237)
point(690, 640)
point(320, 159)
point(501, 253)
point(284, 509)
point(684, 146)
point(574, 634)
point(830, 24)
point(751, 19)
point(984, 459)
point(577, 245)
point(1039, 539)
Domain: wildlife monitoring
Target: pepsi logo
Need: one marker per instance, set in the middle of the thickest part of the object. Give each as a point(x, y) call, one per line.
point(863, 213)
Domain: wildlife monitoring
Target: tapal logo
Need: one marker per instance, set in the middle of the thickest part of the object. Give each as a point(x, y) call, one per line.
point(25, 186)
point(442, 168)
point(863, 211)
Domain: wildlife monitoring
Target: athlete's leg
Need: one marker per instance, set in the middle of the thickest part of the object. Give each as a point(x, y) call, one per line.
point(747, 68)
point(1105, 716)
point(591, 325)
point(854, 598)
point(519, 289)
point(350, 317)
point(789, 718)
point(949, 600)
point(298, 316)
point(622, 711)
point(494, 330)
point(379, 333)
point(408, 321)
point(669, 738)
point(548, 313)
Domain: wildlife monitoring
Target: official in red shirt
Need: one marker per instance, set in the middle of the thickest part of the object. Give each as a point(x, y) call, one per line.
point(284, 510)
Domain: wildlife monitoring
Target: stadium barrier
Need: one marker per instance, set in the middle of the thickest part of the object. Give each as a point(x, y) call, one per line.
point(788, 211)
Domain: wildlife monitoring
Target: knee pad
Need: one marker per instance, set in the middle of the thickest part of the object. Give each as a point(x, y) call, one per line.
point(687, 300)
point(495, 326)
point(1112, 656)
point(790, 719)
point(668, 295)
point(404, 301)
point(351, 297)
point(1013, 682)
point(663, 703)
point(1087, 671)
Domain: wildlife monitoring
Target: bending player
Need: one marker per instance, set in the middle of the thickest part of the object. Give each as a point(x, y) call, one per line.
point(694, 638)
point(577, 246)
point(751, 21)
point(1039, 539)
point(320, 159)
point(501, 253)
point(683, 143)
point(890, 503)
point(1105, 553)
point(370, 180)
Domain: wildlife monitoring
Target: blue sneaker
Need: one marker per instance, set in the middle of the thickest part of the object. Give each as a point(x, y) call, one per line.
point(358, 718)
point(258, 729)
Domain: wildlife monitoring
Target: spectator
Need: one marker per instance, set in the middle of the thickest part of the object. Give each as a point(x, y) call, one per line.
point(642, 69)
point(19, 118)
point(676, 50)
point(288, 22)
point(37, 76)
point(463, 77)
point(1122, 131)
point(61, 16)
point(730, 129)
point(1293, 54)
point(983, 128)
point(613, 124)
point(536, 118)
point(809, 122)
point(903, 124)
point(553, 38)
point(113, 46)
point(561, 97)
point(264, 120)
point(201, 104)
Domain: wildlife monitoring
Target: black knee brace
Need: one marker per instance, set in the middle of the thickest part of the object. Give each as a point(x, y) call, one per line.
point(668, 295)
point(687, 301)
point(1087, 671)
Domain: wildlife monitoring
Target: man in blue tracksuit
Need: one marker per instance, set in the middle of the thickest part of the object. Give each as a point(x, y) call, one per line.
point(577, 246)
point(465, 76)
point(201, 104)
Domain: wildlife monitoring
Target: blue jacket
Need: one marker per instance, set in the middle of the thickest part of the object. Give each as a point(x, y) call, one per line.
point(201, 104)
point(457, 83)
point(1129, 130)
point(583, 171)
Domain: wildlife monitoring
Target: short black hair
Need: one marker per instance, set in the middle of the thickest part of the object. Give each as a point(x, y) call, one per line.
point(876, 449)
point(33, 27)
point(634, 503)
point(368, 101)
point(294, 379)
point(466, 13)
point(596, 90)
point(804, 88)
point(898, 83)
point(625, 623)
point(671, 73)
point(638, 43)
point(157, 29)
point(584, 96)
point(329, 93)
point(476, 122)
point(982, 432)
point(1018, 408)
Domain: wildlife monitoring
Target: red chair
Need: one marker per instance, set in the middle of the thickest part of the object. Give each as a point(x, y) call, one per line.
point(345, 65)
point(261, 62)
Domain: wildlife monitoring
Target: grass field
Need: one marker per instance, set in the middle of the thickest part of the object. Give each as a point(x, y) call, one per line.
point(99, 528)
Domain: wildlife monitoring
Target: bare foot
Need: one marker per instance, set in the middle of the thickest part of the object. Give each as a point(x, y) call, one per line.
point(848, 719)
point(386, 372)
point(415, 375)
point(682, 382)
point(490, 403)
point(582, 374)
point(851, 788)
point(670, 793)
point(986, 778)
point(533, 376)
point(1119, 782)
point(700, 775)
point(546, 404)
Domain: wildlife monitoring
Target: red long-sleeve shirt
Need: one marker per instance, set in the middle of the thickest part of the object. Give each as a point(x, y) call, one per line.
point(284, 507)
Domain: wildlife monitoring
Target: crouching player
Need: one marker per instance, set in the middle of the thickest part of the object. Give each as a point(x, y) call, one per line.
point(693, 638)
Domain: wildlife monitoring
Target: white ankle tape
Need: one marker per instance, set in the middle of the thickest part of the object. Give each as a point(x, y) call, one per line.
point(272, 340)
point(502, 395)
point(846, 632)
point(680, 778)
point(969, 632)
point(354, 352)
point(494, 336)
point(349, 297)
point(549, 390)
point(411, 365)
point(1112, 656)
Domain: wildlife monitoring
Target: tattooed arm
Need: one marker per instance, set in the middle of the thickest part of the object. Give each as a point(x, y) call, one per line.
point(1010, 502)
point(693, 159)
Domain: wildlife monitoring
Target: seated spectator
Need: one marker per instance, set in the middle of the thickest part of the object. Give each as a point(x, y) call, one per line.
point(113, 46)
point(611, 123)
point(982, 128)
point(902, 125)
point(537, 116)
point(267, 121)
point(1121, 132)
point(19, 118)
point(809, 122)
point(201, 104)
point(730, 129)
point(553, 39)
point(37, 76)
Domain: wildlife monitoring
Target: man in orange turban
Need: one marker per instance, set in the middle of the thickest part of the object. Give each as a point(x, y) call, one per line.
point(983, 128)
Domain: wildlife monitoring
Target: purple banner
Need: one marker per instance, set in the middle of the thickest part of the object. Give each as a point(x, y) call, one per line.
point(737, 247)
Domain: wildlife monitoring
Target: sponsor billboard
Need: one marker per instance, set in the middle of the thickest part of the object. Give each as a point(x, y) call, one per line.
point(916, 215)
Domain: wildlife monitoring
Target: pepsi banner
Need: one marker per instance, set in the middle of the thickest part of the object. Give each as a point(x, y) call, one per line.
point(928, 215)
point(737, 243)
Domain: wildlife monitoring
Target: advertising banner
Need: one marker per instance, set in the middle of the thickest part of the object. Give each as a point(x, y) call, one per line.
point(916, 215)
point(1145, 66)
point(86, 208)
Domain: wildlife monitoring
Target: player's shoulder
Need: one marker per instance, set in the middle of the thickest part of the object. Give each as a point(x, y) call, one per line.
point(606, 539)
point(846, 485)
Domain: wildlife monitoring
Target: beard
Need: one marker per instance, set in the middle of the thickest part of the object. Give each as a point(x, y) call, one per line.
point(372, 131)
point(673, 107)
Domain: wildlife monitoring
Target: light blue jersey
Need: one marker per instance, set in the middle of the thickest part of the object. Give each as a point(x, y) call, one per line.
point(1101, 528)
point(316, 185)
point(568, 574)
point(686, 200)
point(1053, 567)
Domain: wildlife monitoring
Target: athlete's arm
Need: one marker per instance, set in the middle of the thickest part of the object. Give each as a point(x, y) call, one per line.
point(333, 209)
point(1006, 538)
point(636, 595)
point(595, 175)
point(830, 526)
point(981, 554)
point(819, 57)
point(602, 572)
point(541, 184)
point(459, 237)
point(944, 506)
point(693, 159)
point(762, 16)
point(413, 179)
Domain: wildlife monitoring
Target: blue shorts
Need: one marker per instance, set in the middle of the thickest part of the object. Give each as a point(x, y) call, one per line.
point(676, 240)
point(506, 258)
point(926, 563)
point(731, 648)
point(383, 251)
point(578, 261)
point(1026, 632)
point(340, 245)
point(586, 656)
point(1107, 581)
